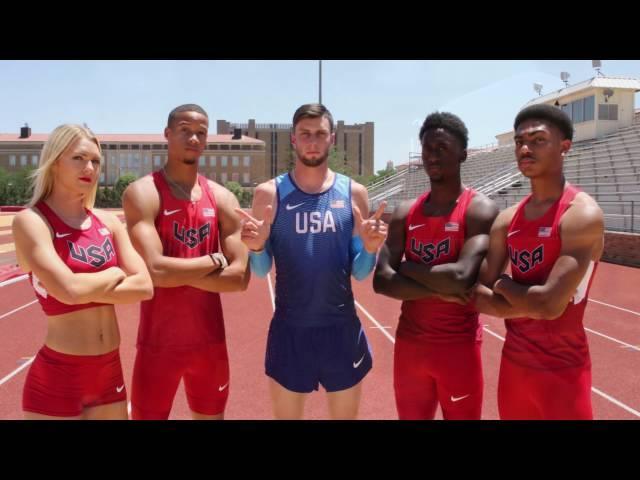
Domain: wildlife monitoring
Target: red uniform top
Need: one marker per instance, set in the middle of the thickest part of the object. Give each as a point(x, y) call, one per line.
point(434, 241)
point(83, 251)
point(534, 247)
point(183, 317)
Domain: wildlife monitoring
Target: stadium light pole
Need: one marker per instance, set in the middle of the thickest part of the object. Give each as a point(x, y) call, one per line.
point(320, 81)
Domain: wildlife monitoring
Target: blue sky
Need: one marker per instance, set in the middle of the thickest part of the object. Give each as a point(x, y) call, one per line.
point(136, 96)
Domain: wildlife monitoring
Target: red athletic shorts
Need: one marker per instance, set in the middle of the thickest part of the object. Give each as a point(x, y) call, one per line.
point(62, 385)
point(534, 394)
point(157, 374)
point(425, 374)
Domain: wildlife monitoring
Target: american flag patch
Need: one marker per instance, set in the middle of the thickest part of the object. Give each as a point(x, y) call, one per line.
point(208, 212)
point(451, 227)
point(104, 231)
point(337, 204)
point(544, 232)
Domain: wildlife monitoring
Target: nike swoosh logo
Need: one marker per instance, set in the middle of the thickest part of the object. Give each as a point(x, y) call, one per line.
point(223, 387)
point(357, 364)
point(291, 207)
point(512, 233)
point(413, 227)
point(171, 212)
point(119, 389)
point(62, 235)
point(457, 399)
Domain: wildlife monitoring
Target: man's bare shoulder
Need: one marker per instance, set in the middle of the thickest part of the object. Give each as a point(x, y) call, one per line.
point(142, 196)
point(268, 187)
point(584, 212)
point(504, 218)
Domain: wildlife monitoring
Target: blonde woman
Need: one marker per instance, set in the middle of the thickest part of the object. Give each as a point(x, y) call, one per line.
point(80, 262)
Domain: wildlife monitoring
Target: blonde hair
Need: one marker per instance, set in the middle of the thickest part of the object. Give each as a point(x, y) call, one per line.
point(59, 141)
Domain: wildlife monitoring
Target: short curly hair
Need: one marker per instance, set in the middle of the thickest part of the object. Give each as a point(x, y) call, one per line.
point(449, 122)
point(548, 113)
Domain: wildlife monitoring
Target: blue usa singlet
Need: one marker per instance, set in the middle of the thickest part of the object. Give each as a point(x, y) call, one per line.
point(310, 242)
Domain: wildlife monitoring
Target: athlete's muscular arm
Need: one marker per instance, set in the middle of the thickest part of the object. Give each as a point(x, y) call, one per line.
point(581, 231)
point(456, 278)
point(386, 279)
point(36, 253)
point(494, 264)
point(137, 285)
point(141, 203)
point(235, 277)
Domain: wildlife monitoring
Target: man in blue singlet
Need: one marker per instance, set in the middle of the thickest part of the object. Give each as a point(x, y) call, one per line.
point(310, 221)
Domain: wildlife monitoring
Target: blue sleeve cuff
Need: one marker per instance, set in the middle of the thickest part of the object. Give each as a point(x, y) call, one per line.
point(363, 262)
point(261, 262)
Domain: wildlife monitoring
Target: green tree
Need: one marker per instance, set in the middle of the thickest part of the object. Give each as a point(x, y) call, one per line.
point(244, 196)
point(15, 187)
point(120, 186)
point(4, 180)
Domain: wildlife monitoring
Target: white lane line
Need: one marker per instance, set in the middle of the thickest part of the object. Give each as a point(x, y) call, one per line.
point(626, 345)
point(273, 301)
point(18, 309)
point(613, 306)
point(492, 333)
point(17, 370)
point(617, 402)
point(613, 400)
point(391, 339)
point(13, 280)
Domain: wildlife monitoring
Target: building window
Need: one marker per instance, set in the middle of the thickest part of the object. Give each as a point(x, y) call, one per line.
point(581, 110)
point(235, 161)
point(135, 147)
point(577, 111)
point(12, 160)
point(34, 160)
point(607, 111)
point(589, 108)
point(247, 161)
point(223, 162)
point(147, 159)
point(146, 147)
point(245, 178)
point(156, 146)
point(124, 147)
point(224, 147)
point(156, 160)
point(23, 160)
point(102, 177)
point(223, 178)
point(213, 161)
point(202, 160)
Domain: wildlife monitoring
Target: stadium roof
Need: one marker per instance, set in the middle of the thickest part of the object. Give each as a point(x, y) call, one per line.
point(627, 83)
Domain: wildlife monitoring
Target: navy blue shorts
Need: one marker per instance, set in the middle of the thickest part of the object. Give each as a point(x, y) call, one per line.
point(299, 358)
